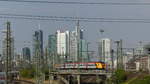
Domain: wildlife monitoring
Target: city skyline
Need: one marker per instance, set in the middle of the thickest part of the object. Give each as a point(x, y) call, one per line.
point(29, 43)
point(115, 31)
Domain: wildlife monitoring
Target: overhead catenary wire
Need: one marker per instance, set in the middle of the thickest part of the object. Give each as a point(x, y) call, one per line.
point(68, 17)
point(81, 3)
point(109, 21)
point(82, 19)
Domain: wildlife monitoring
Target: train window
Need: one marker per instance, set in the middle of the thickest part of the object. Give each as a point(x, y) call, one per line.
point(90, 65)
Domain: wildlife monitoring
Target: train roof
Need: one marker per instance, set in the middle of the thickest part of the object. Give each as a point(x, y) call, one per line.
point(82, 62)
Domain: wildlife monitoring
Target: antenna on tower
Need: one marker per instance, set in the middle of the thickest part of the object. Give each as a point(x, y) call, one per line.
point(78, 29)
point(78, 23)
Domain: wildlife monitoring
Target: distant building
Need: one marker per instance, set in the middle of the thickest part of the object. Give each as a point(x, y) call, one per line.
point(52, 44)
point(142, 50)
point(139, 50)
point(73, 47)
point(127, 56)
point(38, 45)
point(52, 49)
point(143, 63)
point(77, 46)
point(132, 66)
point(18, 58)
point(63, 44)
point(84, 52)
point(26, 54)
point(141, 60)
point(105, 48)
point(146, 49)
point(140, 63)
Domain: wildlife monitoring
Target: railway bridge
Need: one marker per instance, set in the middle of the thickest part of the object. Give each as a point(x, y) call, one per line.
point(79, 76)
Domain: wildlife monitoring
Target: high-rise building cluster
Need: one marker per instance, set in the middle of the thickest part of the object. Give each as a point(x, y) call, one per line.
point(63, 47)
point(68, 46)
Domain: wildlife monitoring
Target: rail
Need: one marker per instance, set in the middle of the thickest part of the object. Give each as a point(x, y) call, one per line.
point(22, 81)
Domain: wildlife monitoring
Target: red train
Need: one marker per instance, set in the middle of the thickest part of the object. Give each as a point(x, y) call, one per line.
point(82, 65)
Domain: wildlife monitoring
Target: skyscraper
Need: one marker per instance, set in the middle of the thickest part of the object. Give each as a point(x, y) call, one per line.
point(38, 45)
point(84, 53)
point(105, 51)
point(52, 49)
point(63, 45)
point(52, 41)
point(73, 47)
point(76, 48)
point(79, 38)
point(26, 54)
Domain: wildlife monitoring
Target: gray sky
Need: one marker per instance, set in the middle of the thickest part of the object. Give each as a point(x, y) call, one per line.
point(131, 33)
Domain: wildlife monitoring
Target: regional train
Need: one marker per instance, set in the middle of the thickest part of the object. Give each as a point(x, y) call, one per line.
point(82, 65)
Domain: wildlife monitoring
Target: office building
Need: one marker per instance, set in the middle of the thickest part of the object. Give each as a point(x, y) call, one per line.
point(26, 54)
point(63, 49)
point(76, 47)
point(105, 51)
point(52, 49)
point(38, 45)
point(73, 47)
point(84, 51)
point(52, 44)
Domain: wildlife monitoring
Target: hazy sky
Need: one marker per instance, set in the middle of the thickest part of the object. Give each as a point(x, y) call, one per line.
point(131, 33)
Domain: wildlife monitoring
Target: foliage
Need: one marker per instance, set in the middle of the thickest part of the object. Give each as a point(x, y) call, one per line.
point(27, 73)
point(31, 72)
point(46, 72)
point(119, 76)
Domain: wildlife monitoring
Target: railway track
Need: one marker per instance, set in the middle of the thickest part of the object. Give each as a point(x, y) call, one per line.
point(22, 82)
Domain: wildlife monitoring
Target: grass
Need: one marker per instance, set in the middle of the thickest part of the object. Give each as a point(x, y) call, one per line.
point(139, 79)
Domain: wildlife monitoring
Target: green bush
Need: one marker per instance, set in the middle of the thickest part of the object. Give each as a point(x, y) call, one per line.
point(30, 73)
point(119, 76)
point(27, 73)
point(24, 73)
